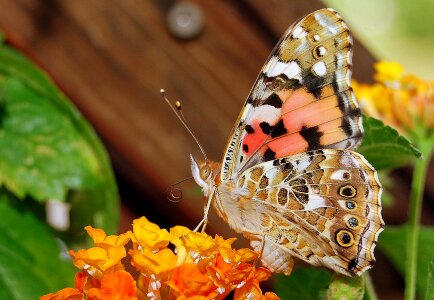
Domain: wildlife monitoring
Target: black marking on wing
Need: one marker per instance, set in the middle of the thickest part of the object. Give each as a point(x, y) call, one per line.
point(313, 83)
point(353, 264)
point(273, 100)
point(249, 129)
point(312, 136)
point(278, 129)
point(266, 128)
point(269, 155)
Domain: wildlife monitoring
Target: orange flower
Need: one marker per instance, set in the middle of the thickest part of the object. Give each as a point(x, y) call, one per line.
point(64, 294)
point(119, 285)
point(229, 275)
point(188, 281)
point(200, 268)
point(70, 293)
point(236, 256)
point(251, 289)
point(106, 256)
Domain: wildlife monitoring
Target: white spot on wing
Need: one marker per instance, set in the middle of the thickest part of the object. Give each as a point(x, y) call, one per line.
point(315, 202)
point(271, 173)
point(339, 175)
point(272, 61)
point(327, 22)
point(299, 33)
point(303, 163)
point(322, 50)
point(319, 68)
point(266, 113)
point(292, 70)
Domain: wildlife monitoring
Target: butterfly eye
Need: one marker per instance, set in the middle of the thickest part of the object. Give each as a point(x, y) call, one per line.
point(205, 172)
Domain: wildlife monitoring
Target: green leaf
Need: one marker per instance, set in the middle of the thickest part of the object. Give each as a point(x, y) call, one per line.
point(384, 147)
point(430, 282)
point(393, 244)
point(31, 262)
point(41, 153)
point(303, 283)
point(387, 182)
point(343, 287)
point(47, 149)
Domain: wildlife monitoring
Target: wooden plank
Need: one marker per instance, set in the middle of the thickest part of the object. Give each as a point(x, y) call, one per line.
point(113, 59)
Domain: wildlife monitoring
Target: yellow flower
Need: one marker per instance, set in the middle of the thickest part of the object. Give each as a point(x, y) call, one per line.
point(106, 256)
point(100, 238)
point(221, 242)
point(149, 235)
point(149, 262)
point(201, 267)
point(388, 71)
point(400, 100)
point(99, 258)
point(199, 242)
point(236, 256)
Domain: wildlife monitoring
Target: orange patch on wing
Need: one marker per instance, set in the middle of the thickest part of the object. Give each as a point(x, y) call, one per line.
point(254, 140)
point(332, 132)
point(288, 145)
point(330, 138)
point(293, 100)
point(311, 114)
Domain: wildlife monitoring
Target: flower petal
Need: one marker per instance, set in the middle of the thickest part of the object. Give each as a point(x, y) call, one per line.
point(149, 262)
point(117, 285)
point(149, 235)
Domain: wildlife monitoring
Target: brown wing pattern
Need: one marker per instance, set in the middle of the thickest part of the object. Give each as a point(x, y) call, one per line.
point(322, 206)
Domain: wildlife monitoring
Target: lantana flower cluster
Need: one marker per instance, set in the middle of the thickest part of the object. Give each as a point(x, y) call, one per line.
point(199, 267)
point(401, 100)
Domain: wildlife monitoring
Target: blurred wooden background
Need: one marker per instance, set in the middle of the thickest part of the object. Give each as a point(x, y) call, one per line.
point(112, 57)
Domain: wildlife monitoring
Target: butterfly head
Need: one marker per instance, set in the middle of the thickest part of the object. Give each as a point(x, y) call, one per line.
point(204, 173)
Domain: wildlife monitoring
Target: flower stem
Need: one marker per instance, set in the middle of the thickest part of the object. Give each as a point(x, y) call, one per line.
point(415, 209)
point(369, 288)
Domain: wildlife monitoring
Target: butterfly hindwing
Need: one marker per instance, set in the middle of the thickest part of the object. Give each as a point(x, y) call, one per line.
point(322, 206)
point(302, 99)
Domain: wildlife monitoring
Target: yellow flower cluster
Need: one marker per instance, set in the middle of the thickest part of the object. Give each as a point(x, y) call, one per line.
point(400, 100)
point(199, 267)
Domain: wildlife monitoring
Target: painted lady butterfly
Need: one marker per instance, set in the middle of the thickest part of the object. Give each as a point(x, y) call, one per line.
point(288, 180)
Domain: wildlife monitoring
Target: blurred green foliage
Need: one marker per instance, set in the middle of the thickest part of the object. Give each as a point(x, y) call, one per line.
point(48, 151)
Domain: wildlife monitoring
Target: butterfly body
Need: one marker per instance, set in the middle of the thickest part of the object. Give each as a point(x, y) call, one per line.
point(289, 180)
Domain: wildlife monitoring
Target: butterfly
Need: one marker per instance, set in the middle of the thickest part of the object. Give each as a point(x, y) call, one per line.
point(289, 179)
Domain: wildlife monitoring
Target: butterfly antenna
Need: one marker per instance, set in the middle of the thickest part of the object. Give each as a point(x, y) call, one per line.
point(174, 194)
point(178, 112)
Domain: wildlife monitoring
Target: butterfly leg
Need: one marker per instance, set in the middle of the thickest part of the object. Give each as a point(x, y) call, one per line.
point(204, 221)
point(259, 258)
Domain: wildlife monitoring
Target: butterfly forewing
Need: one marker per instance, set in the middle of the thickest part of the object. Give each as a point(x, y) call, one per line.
point(302, 99)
